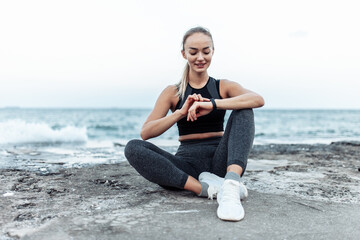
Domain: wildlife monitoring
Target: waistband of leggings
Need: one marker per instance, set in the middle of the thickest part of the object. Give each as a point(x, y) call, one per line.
point(201, 141)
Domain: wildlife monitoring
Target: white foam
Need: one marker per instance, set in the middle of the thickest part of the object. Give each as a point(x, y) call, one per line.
point(19, 131)
point(60, 151)
point(4, 153)
point(8, 194)
point(99, 144)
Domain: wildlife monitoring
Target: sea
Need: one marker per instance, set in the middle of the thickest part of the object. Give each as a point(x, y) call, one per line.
point(46, 140)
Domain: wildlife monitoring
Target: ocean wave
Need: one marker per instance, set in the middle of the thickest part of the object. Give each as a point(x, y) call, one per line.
point(19, 131)
point(104, 127)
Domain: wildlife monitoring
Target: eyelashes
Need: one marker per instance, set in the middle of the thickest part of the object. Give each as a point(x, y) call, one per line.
point(194, 53)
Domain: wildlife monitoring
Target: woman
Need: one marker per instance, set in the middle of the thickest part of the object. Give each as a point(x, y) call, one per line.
point(209, 160)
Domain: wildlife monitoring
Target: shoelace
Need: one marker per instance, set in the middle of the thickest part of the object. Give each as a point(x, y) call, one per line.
point(231, 193)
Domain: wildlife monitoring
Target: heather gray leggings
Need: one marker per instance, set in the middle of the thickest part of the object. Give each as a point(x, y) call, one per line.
point(195, 156)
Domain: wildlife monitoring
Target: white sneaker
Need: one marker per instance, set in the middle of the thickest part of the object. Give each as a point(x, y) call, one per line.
point(230, 208)
point(215, 182)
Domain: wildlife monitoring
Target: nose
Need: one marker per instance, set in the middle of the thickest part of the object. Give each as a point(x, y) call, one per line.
point(200, 57)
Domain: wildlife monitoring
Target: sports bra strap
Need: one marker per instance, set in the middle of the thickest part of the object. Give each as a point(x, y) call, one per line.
point(211, 87)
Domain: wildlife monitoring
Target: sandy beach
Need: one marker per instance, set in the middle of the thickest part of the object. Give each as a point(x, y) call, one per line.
point(295, 192)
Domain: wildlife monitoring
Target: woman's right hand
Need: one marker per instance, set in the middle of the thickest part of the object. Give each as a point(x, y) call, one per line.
point(190, 101)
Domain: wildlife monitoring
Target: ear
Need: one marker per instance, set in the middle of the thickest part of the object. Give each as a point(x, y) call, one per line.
point(183, 54)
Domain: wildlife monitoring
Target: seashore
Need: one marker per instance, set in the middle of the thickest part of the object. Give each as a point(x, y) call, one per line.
point(296, 191)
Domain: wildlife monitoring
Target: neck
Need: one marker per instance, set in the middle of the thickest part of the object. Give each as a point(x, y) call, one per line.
point(198, 80)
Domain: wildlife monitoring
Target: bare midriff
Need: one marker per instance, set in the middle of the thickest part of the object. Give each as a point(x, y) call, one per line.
point(200, 136)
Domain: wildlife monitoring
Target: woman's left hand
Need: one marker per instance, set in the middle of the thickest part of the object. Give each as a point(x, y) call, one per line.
point(199, 109)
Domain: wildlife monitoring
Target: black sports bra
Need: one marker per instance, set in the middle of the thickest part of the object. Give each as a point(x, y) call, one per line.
point(212, 122)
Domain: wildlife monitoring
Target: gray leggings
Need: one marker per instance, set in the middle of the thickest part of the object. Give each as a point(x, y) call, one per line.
point(195, 156)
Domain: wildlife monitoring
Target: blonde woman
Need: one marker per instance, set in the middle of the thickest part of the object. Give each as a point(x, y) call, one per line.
point(209, 160)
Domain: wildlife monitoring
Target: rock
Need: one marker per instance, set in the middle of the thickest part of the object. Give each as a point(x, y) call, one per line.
point(348, 143)
point(24, 216)
point(112, 201)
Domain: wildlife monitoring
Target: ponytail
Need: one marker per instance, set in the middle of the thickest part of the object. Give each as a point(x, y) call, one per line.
point(181, 86)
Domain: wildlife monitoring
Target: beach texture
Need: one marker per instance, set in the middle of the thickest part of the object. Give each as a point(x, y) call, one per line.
point(295, 192)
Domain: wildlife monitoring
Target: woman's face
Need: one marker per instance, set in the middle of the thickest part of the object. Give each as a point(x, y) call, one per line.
point(198, 51)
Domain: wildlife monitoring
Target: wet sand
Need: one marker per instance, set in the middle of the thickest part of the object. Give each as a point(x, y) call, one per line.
point(295, 191)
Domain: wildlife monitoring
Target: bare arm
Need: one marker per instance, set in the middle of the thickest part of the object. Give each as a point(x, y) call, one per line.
point(237, 97)
point(158, 121)
point(234, 97)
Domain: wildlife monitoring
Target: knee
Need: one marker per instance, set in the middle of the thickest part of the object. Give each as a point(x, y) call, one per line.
point(132, 148)
point(244, 114)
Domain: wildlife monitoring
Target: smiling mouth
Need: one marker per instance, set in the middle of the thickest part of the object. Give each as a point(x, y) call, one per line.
point(200, 65)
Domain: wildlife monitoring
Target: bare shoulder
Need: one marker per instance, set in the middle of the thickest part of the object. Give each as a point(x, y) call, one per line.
point(230, 88)
point(169, 96)
point(170, 91)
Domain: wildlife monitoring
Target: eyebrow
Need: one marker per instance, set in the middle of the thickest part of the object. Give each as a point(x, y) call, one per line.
point(192, 48)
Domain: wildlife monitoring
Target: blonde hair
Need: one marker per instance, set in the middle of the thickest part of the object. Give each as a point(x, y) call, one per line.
point(181, 86)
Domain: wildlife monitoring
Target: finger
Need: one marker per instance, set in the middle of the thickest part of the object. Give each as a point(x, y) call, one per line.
point(191, 99)
point(191, 114)
point(193, 96)
point(196, 110)
point(189, 117)
point(206, 100)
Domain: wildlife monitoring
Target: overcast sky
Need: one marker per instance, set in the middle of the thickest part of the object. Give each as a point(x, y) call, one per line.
point(296, 54)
